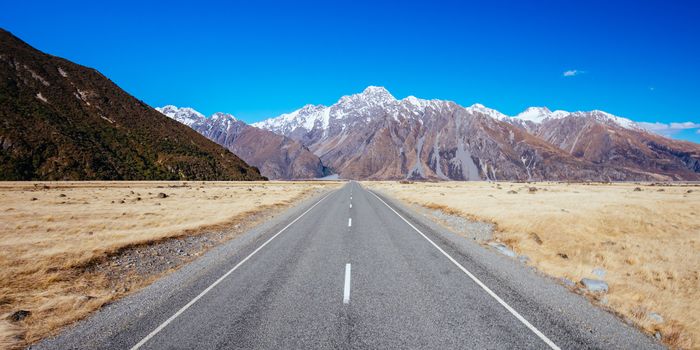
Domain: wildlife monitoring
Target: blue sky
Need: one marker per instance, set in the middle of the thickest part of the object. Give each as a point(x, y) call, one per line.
point(257, 59)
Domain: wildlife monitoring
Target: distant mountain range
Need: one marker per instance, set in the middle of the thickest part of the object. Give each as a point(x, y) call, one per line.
point(277, 156)
point(372, 135)
point(63, 121)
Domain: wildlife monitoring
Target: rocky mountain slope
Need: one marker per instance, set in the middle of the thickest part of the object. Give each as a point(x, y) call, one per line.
point(609, 140)
point(63, 121)
point(277, 156)
point(372, 135)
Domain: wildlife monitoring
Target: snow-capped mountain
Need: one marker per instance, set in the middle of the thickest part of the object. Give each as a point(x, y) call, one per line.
point(373, 99)
point(539, 114)
point(185, 115)
point(276, 156)
point(373, 135)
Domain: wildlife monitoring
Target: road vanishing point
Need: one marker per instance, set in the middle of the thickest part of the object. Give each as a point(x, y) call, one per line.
point(352, 269)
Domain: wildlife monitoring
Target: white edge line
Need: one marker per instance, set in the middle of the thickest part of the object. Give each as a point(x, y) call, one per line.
point(346, 290)
point(478, 282)
point(174, 316)
point(349, 222)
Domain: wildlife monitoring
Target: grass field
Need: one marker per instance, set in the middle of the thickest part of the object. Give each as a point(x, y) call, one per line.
point(646, 239)
point(49, 233)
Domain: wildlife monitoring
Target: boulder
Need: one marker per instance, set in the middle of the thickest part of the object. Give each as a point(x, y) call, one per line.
point(595, 286)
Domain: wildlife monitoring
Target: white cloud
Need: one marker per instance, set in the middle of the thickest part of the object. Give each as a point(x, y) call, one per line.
point(668, 129)
point(573, 72)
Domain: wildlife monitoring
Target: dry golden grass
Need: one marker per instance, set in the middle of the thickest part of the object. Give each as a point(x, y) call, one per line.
point(49, 232)
point(647, 240)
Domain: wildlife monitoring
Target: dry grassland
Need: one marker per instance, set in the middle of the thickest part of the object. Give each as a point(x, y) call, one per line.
point(51, 232)
point(645, 237)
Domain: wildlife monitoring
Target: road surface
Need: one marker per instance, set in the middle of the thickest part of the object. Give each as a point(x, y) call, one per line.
point(352, 270)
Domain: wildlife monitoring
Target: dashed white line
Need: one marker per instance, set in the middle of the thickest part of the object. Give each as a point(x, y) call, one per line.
point(350, 205)
point(204, 292)
point(346, 290)
point(349, 222)
point(478, 282)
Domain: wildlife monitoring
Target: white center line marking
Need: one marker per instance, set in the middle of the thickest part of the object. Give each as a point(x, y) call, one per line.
point(346, 290)
point(350, 205)
point(478, 282)
point(349, 222)
point(204, 292)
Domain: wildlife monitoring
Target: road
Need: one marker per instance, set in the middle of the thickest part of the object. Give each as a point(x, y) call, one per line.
point(352, 270)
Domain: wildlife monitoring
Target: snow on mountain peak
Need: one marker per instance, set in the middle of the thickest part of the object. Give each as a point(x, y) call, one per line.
point(191, 117)
point(184, 115)
point(376, 91)
point(221, 115)
point(479, 108)
point(539, 114)
point(371, 96)
point(607, 117)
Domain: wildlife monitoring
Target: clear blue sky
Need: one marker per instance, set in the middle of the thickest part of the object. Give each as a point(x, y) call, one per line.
point(257, 59)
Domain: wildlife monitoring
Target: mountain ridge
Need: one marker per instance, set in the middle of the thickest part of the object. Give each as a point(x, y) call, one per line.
point(63, 121)
point(277, 156)
point(388, 141)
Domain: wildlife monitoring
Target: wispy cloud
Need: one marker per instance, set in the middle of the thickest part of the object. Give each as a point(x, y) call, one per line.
point(669, 129)
point(572, 73)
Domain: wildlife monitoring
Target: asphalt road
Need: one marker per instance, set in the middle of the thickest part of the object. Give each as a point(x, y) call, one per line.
point(352, 270)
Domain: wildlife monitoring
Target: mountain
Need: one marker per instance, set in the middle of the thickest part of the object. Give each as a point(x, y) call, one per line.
point(277, 156)
point(372, 135)
point(603, 138)
point(63, 121)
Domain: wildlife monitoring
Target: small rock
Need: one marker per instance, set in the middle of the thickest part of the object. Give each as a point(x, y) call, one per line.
point(562, 255)
point(689, 191)
point(637, 189)
point(512, 192)
point(162, 195)
point(532, 189)
point(34, 198)
point(657, 335)
point(595, 286)
point(655, 317)
point(19, 315)
point(61, 195)
point(503, 249)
